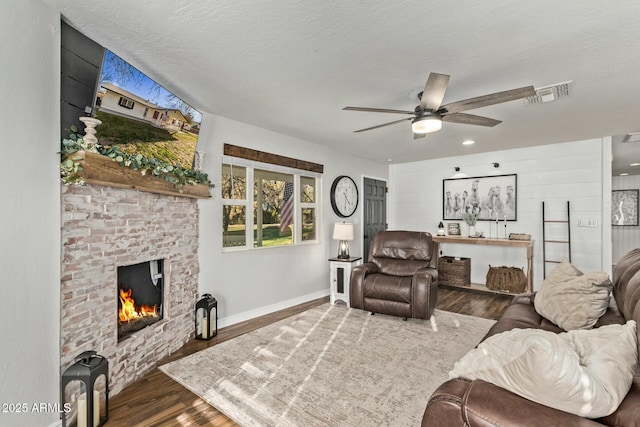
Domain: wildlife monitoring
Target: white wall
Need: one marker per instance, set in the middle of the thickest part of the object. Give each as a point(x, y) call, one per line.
point(250, 283)
point(625, 238)
point(552, 173)
point(30, 217)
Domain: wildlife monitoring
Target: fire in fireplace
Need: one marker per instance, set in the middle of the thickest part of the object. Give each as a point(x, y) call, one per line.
point(140, 296)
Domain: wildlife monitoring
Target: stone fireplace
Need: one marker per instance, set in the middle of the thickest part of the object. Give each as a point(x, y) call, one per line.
point(107, 230)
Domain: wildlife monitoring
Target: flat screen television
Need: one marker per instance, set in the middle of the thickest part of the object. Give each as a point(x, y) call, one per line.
point(138, 114)
point(141, 116)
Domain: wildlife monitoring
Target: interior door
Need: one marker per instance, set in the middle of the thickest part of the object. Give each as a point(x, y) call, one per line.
point(375, 211)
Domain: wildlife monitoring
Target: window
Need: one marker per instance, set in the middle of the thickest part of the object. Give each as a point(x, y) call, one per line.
point(234, 208)
point(308, 207)
point(126, 103)
point(281, 208)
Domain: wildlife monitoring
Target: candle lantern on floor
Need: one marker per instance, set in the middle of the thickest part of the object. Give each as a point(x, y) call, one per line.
point(206, 317)
point(84, 391)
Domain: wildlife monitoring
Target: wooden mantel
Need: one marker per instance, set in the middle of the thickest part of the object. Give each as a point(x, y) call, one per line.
point(102, 170)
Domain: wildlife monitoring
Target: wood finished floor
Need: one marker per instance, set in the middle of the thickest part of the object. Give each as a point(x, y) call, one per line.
point(157, 400)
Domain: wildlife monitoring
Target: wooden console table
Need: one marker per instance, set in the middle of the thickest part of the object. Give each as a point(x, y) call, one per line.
point(527, 244)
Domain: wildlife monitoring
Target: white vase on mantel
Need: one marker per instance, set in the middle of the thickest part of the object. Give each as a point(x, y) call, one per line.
point(472, 230)
point(90, 124)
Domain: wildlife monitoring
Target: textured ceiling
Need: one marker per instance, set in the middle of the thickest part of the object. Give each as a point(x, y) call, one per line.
point(291, 66)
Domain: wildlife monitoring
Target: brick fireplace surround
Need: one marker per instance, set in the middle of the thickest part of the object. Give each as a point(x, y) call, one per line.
point(104, 228)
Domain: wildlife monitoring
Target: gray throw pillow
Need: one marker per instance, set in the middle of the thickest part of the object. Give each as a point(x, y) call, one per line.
point(573, 300)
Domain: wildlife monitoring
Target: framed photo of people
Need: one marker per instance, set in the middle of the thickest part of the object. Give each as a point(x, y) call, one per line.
point(624, 207)
point(489, 197)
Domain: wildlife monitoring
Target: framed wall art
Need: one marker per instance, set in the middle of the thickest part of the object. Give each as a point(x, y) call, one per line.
point(624, 207)
point(489, 197)
point(453, 228)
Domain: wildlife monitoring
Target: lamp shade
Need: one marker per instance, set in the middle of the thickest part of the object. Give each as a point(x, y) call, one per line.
point(343, 231)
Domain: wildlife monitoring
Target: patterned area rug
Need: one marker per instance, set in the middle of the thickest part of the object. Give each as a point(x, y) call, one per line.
point(331, 366)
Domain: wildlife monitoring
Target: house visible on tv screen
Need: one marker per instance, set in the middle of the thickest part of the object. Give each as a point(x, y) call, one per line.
point(140, 116)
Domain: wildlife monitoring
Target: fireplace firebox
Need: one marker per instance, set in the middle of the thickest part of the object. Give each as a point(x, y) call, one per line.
point(140, 296)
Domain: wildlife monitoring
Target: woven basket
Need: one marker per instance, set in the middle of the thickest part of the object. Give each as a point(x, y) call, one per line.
point(506, 279)
point(454, 271)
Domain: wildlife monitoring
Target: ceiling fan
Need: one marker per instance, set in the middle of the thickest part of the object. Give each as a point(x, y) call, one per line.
point(429, 114)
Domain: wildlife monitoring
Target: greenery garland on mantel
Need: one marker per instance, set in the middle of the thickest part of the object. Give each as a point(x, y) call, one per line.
point(175, 174)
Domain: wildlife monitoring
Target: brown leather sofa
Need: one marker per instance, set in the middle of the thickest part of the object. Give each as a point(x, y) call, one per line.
point(400, 279)
point(460, 402)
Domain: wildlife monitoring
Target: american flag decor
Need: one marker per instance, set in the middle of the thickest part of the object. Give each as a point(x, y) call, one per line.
point(286, 213)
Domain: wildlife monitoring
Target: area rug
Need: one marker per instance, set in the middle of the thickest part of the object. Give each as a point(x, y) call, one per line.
point(331, 366)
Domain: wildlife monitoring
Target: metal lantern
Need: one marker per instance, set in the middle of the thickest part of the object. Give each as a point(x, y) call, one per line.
point(85, 391)
point(206, 317)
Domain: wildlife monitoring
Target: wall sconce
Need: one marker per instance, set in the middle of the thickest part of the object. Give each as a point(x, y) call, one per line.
point(206, 317)
point(343, 231)
point(496, 165)
point(457, 173)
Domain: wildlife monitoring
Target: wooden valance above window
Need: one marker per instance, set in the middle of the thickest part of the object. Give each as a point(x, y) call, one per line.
point(274, 159)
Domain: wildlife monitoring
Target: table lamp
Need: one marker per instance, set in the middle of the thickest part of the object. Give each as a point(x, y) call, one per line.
point(343, 231)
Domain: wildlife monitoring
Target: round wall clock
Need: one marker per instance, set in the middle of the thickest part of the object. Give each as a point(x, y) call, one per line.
point(344, 196)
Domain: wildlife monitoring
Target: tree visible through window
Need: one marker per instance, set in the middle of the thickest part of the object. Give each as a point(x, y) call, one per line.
point(283, 207)
point(234, 216)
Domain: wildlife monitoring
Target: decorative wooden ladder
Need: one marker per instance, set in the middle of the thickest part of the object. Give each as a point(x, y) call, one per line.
point(554, 241)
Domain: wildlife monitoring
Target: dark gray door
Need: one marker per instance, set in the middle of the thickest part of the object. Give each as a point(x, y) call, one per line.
point(375, 211)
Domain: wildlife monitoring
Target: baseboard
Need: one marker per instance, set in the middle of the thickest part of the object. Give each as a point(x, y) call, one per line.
point(252, 314)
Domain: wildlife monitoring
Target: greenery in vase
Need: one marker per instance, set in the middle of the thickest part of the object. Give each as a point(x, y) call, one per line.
point(173, 173)
point(470, 218)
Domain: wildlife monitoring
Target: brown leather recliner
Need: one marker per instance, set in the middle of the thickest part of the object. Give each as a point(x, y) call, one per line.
point(400, 279)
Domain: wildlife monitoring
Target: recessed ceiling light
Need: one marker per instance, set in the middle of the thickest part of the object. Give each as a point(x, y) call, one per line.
point(624, 174)
point(389, 160)
point(634, 164)
point(468, 142)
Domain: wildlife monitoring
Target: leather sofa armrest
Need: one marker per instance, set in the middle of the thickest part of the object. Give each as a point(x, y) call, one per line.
point(461, 402)
point(524, 298)
point(358, 274)
point(424, 292)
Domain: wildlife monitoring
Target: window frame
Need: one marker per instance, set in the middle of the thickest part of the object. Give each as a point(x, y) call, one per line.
point(248, 202)
point(127, 103)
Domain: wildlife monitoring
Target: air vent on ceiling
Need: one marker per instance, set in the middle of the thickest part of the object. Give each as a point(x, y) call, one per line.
point(549, 93)
point(632, 137)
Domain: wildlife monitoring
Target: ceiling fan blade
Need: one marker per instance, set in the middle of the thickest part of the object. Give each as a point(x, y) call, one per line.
point(419, 135)
point(491, 99)
point(377, 110)
point(470, 119)
point(383, 125)
point(434, 91)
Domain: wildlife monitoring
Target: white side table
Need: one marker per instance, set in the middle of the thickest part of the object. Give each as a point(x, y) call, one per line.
point(340, 277)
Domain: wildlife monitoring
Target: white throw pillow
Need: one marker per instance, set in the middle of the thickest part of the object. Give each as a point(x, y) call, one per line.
point(573, 300)
point(584, 372)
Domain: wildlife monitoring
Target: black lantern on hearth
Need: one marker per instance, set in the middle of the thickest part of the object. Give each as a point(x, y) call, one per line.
point(84, 391)
point(206, 317)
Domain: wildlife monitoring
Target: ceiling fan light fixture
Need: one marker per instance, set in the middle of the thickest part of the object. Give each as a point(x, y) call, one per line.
point(426, 123)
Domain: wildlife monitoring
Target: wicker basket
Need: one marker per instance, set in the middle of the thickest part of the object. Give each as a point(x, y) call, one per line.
point(454, 271)
point(506, 279)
